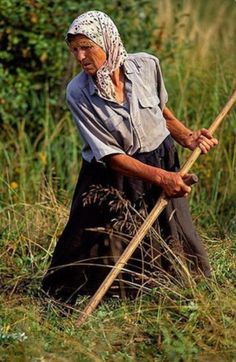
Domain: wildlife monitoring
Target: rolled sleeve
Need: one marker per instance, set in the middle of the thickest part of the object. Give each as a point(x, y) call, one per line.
point(162, 93)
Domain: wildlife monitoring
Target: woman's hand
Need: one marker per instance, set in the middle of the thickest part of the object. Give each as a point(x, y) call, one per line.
point(202, 139)
point(187, 138)
point(173, 184)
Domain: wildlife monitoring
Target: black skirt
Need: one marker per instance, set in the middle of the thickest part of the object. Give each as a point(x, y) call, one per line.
point(107, 209)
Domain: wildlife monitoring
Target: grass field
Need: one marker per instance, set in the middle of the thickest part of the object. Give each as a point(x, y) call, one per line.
point(195, 42)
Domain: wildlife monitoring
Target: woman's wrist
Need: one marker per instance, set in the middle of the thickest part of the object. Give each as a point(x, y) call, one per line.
point(178, 130)
point(160, 176)
point(184, 138)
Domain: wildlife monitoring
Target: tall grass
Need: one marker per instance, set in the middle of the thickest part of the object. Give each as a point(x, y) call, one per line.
point(195, 42)
point(198, 45)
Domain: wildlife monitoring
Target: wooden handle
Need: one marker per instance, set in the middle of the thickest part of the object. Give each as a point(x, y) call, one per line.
point(132, 246)
point(190, 179)
point(147, 224)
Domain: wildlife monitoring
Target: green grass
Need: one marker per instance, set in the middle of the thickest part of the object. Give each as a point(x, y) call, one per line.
point(174, 323)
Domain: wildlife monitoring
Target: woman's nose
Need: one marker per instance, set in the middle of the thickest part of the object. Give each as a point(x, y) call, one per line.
point(80, 55)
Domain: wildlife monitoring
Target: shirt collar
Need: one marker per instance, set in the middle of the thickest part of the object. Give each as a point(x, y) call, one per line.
point(129, 68)
point(92, 85)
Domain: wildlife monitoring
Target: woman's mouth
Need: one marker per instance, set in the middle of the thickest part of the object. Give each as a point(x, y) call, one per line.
point(87, 65)
point(88, 68)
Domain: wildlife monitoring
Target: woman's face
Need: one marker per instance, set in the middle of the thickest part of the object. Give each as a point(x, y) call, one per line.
point(87, 53)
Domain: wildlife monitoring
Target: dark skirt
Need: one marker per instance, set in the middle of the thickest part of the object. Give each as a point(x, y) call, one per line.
point(107, 209)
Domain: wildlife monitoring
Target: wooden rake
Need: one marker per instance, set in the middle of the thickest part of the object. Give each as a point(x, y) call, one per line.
point(147, 224)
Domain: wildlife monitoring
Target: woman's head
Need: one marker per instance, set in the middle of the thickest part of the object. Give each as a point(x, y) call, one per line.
point(90, 55)
point(102, 45)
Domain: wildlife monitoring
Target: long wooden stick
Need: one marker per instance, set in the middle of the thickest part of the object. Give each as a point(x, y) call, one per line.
point(147, 224)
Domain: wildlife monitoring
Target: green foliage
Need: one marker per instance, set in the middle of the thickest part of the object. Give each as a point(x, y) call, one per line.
point(34, 57)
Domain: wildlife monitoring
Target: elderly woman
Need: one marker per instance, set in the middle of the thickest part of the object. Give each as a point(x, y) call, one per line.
point(118, 102)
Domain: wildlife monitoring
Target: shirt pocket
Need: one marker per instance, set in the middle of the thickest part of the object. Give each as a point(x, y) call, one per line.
point(149, 102)
point(149, 106)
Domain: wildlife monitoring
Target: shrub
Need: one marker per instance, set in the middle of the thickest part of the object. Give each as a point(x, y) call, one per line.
point(34, 57)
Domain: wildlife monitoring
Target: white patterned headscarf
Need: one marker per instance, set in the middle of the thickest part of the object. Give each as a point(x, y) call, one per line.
point(98, 27)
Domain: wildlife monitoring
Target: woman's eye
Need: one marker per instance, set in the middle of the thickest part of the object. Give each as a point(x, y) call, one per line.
point(73, 50)
point(86, 47)
point(82, 47)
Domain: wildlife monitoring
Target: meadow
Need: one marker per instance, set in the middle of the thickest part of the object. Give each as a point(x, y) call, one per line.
point(195, 42)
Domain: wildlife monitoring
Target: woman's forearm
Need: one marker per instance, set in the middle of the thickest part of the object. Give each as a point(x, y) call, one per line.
point(177, 129)
point(187, 138)
point(129, 166)
point(171, 182)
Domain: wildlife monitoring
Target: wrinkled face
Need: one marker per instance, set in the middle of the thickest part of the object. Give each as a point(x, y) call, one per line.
point(87, 53)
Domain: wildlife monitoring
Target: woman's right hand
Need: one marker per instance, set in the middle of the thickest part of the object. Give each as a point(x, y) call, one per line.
point(173, 184)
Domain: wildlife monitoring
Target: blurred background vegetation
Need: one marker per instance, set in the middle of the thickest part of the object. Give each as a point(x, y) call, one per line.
point(40, 141)
point(40, 161)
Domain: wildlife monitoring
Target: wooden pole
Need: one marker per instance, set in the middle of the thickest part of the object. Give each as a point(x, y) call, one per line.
point(147, 224)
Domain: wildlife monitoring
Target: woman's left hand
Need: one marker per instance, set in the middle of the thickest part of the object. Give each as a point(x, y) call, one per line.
point(202, 139)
